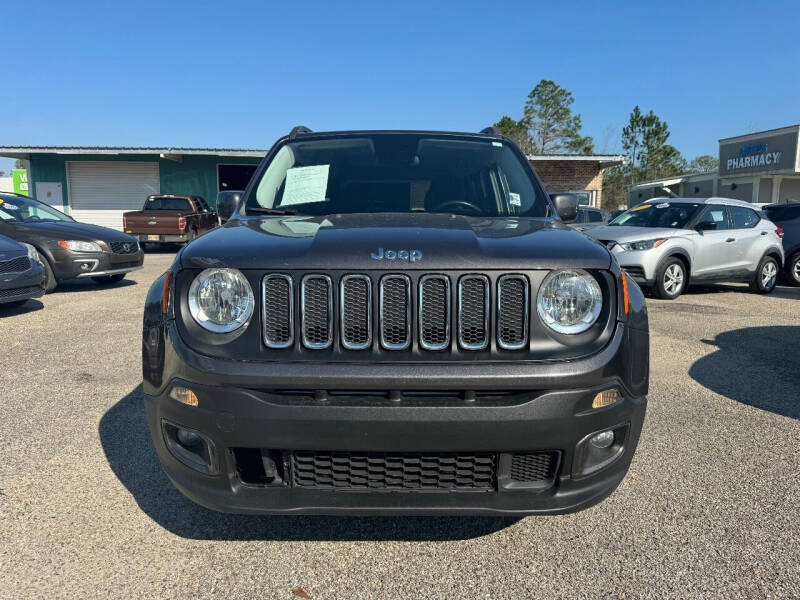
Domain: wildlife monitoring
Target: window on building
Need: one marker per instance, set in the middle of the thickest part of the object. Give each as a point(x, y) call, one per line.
point(743, 218)
point(585, 197)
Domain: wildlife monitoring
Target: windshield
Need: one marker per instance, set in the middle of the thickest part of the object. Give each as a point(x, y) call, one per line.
point(398, 173)
point(671, 215)
point(162, 203)
point(20, 209)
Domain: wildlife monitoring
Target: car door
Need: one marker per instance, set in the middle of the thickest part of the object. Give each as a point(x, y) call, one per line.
point(749, 244)
point(714, 254)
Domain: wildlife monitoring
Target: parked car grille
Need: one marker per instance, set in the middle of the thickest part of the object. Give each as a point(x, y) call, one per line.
point(397, 471)
point(24, 291)
point(15, 265)
point(124, 247)
point(432, 312)
point(538, 466)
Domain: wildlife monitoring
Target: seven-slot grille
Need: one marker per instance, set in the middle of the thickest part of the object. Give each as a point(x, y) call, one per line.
point(427, 303)
point(15, 265)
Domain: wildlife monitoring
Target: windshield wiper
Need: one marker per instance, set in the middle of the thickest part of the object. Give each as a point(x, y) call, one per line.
point(269, 211)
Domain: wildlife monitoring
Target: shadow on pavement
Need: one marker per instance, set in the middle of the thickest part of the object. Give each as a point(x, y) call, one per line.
point(87, 284)
point(20, 309)
point(129, 451)
point(757, 366)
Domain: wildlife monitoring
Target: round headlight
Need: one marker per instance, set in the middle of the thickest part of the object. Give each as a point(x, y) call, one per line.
point(221, 300)
point(569, 301)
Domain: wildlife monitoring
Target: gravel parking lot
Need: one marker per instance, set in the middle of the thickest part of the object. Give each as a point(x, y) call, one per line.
point(710, 508)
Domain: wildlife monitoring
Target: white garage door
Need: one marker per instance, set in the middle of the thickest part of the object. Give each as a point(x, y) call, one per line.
point(99, 192)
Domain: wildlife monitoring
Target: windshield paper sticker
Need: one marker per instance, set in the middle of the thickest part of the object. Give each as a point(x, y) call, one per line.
point(663, 205)
point(514, 199)
point(8, 206)
point(305, 184)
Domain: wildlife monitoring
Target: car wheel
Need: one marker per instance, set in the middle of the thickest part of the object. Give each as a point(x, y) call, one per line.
point(793, 269)
point(670, 279)
point(766, 276)
point(50, 281)
point(110, 278)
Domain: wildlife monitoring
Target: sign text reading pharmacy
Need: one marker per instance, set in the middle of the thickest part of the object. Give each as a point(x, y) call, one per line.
point(766, 153)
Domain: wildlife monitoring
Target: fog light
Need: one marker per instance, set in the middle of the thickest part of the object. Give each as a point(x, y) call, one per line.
point(183, 395)
point(601, 440)
point(190, 438)
point(606, 398)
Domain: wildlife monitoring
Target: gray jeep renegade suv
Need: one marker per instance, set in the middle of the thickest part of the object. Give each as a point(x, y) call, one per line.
point(396, 322)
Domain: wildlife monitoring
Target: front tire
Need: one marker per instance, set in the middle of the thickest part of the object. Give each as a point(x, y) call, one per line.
point(106, 279)
point(670, 279)
point(793, 269)
point(50, 281)
point(766, 276)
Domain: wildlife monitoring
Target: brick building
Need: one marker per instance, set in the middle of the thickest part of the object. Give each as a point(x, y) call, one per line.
point(580, 174)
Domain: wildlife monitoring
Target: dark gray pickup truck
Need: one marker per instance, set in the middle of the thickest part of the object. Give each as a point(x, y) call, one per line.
point(396, 323)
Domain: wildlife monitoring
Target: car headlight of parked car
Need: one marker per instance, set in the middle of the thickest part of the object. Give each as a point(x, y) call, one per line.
point(33, 255)
point(569, 301)
point(221, 300)
point(642, 245)
point(78, 246)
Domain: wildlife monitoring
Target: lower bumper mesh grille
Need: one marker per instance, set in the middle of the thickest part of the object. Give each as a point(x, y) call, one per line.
point(539, 466)
point(403, 471)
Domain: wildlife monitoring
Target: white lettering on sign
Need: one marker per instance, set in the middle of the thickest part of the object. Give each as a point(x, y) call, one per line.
point(759, 160)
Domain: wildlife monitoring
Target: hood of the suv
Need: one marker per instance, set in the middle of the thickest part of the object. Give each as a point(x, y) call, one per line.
point(623, 233)
point(375, 241)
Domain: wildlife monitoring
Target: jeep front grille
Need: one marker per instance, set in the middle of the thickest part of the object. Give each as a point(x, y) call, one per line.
point(473, 312)
point(356, 312)
point(432, 312)
point(395, 312)
point(316, 308)
point(278, 311)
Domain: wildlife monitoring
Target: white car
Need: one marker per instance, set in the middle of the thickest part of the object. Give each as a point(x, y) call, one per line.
point(666, 243)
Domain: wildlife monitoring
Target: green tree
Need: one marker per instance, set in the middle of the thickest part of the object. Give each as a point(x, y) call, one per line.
point(550, 124)
point(514, 129)
point(704, 163)
point(649, 156)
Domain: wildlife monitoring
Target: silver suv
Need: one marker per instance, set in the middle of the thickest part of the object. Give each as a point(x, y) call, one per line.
point(666, 243)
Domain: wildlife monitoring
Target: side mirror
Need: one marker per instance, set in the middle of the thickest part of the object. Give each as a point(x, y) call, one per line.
point(706, 226)
point(227, 203)
point(566, 206)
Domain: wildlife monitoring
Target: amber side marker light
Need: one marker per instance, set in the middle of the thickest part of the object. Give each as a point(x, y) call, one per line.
point(183, 395)
point(625, 303)
point(606, 398)
point(165, 296)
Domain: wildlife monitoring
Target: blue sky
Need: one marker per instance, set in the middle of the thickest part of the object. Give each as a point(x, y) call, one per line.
point(240, 75)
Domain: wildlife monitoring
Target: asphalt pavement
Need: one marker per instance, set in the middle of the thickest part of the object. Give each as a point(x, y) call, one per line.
point(709, 509)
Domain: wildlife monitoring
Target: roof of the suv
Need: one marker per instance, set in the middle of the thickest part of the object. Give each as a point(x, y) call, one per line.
point(712, 200)
point(302, 132)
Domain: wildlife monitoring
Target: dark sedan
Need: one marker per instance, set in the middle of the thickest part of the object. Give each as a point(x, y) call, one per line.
point(21, 273)
point(68, 249)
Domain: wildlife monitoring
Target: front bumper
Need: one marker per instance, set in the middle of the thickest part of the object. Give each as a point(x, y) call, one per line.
point(640, 265)
point(240, 406)
point(162, 238)
point(71, 265)
point(22, 286)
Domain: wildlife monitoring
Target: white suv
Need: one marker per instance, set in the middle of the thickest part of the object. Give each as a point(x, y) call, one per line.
point(666, 243)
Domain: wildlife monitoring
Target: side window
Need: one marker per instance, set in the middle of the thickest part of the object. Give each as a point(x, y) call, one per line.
point(715, 214)
point(595, 216)
point(581, 218)
point(743, 218)
point(202, 204)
